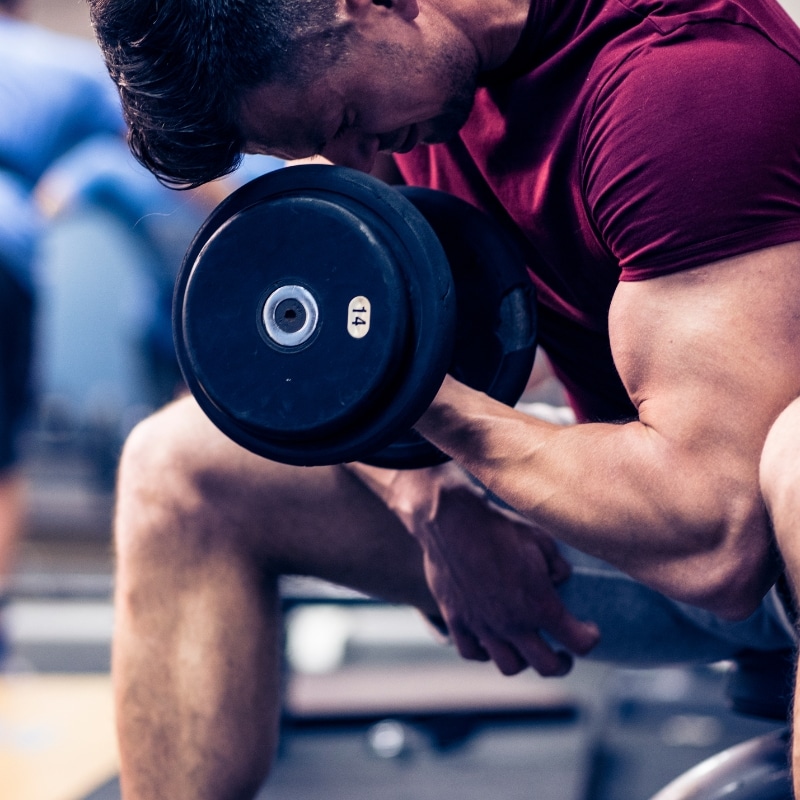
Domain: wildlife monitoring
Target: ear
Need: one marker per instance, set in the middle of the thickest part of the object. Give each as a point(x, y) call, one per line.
point(407, 9)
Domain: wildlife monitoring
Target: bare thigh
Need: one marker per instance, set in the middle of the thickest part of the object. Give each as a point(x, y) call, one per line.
point(186, 490)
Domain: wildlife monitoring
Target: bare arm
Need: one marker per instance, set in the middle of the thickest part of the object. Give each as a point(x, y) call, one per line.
point(709, 356)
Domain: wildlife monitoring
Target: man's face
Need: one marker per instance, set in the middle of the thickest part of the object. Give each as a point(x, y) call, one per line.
point(380, 97)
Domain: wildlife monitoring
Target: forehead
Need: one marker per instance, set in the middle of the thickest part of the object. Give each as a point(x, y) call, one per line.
point(289, 122)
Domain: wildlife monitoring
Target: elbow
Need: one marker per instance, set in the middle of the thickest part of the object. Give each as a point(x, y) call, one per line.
point(732, 579)
point(736, 594)
point(736, 561)
point(730, 566)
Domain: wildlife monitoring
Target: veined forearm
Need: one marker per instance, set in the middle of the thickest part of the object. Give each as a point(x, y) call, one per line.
point(690, 528)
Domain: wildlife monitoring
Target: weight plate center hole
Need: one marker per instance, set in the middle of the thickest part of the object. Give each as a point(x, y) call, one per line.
point(290, 315)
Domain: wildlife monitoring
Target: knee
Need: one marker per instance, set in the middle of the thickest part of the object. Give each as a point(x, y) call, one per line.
point(161, 504)
point(779, 476)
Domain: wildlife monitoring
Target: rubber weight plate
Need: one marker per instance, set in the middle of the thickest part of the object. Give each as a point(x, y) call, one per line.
point(496, 325)
point(314, 315)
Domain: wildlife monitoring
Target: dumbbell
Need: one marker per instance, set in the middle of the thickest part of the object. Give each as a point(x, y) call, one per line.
point(318, 310)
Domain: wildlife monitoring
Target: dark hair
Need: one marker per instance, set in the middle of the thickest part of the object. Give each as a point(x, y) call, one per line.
point(182, 65)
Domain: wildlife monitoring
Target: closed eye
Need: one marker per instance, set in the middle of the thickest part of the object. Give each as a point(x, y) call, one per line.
point(348, 121)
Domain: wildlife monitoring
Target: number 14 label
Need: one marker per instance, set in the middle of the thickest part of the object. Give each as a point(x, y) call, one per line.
point(358, 317)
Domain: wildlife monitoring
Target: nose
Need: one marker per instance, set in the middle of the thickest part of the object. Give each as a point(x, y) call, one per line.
point(353, 148)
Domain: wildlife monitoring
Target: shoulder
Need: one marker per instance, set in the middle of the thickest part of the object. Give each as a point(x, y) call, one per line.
point(689, 143)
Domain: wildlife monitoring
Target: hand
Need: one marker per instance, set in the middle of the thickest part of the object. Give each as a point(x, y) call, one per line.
point(492, 573)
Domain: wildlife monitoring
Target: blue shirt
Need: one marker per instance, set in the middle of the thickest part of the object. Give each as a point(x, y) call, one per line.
point(54, 92)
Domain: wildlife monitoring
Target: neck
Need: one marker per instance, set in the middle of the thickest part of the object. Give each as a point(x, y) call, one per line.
point(495, 27)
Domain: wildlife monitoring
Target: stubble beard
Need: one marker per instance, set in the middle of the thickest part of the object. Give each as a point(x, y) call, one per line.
point(463, 83)
point(451, 68)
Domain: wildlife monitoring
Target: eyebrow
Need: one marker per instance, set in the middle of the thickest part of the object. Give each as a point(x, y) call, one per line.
point(322, 134)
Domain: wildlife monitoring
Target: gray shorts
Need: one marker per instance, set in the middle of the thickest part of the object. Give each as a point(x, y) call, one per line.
point(640, 627)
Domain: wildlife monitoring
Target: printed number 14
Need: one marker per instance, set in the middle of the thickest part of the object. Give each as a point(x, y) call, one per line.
point(359, 317)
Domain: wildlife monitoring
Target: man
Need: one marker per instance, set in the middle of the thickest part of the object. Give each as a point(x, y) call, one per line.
point(647, 155)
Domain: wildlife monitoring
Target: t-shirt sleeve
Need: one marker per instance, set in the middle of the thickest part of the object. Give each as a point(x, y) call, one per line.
point(691, 150)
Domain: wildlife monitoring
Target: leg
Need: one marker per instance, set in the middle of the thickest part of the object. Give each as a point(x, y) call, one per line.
point(203, 531)
point(780, 484)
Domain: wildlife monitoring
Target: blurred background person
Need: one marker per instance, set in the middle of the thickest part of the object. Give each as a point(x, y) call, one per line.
point(52, 95)
point(90, 244)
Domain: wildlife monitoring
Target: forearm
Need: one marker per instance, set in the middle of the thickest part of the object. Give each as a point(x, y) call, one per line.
point(624, 493)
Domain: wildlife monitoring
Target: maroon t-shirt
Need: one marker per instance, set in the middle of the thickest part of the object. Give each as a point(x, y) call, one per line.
point(628, 140)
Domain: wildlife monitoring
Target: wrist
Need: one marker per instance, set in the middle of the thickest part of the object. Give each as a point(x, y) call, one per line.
point(412, 495)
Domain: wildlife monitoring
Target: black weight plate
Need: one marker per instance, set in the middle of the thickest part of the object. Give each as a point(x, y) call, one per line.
point(325, 383)
point(495, 339)
point(391, 391)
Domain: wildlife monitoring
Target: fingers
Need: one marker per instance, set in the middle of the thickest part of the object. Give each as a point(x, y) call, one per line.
point(559, 568)
point(526, 651)
point(544, 659)
point(506, 658)
point(515, 644)
point(579, 637)
point(517, 653)
point(468, 645)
